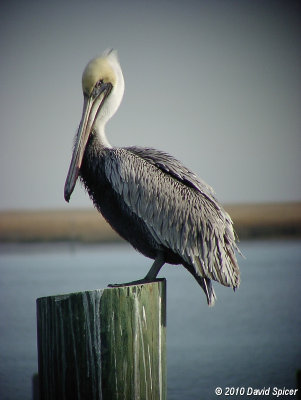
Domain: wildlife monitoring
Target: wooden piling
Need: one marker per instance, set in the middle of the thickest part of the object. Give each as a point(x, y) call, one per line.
point(103, 344)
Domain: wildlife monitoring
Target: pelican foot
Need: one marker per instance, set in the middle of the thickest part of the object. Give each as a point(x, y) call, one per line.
point(133, 283)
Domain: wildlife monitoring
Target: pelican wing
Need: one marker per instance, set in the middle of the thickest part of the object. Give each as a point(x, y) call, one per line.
point(174, 167)
point(179, 210)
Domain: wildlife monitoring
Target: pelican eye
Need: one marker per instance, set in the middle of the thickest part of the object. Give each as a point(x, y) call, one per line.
point(97, 88)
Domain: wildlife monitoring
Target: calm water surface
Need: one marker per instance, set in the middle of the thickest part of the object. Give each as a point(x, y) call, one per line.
point(250, 338)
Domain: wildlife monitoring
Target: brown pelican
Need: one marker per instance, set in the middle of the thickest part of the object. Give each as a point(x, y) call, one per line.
point(150, 198)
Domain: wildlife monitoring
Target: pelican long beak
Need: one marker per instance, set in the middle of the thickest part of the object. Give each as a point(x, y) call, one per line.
point(92, 106)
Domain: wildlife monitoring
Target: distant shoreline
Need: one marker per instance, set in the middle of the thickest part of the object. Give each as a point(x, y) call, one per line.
point(251, 221)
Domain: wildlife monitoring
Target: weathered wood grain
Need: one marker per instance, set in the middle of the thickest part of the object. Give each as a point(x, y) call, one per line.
point(104, 344)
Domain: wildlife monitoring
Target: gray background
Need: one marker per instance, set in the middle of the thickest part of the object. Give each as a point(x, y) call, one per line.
point(215, 83)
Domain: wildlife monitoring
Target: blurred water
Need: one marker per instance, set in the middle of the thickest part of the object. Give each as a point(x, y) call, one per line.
point(251, 338)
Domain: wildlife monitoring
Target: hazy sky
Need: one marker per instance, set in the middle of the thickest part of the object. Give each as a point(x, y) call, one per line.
point(215, 83)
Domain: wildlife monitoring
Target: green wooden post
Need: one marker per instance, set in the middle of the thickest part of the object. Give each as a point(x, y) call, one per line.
point(103, 344)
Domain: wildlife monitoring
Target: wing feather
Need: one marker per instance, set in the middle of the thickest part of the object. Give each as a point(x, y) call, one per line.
point(179, 210)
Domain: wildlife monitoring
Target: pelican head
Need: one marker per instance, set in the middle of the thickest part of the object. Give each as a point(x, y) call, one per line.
point(103, 88)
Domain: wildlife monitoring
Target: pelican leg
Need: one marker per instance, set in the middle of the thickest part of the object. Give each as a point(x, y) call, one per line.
point(155, 268)
point(150, 276)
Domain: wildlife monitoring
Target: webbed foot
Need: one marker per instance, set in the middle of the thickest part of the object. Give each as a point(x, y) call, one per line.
point(151, 275)
point(133, 283)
